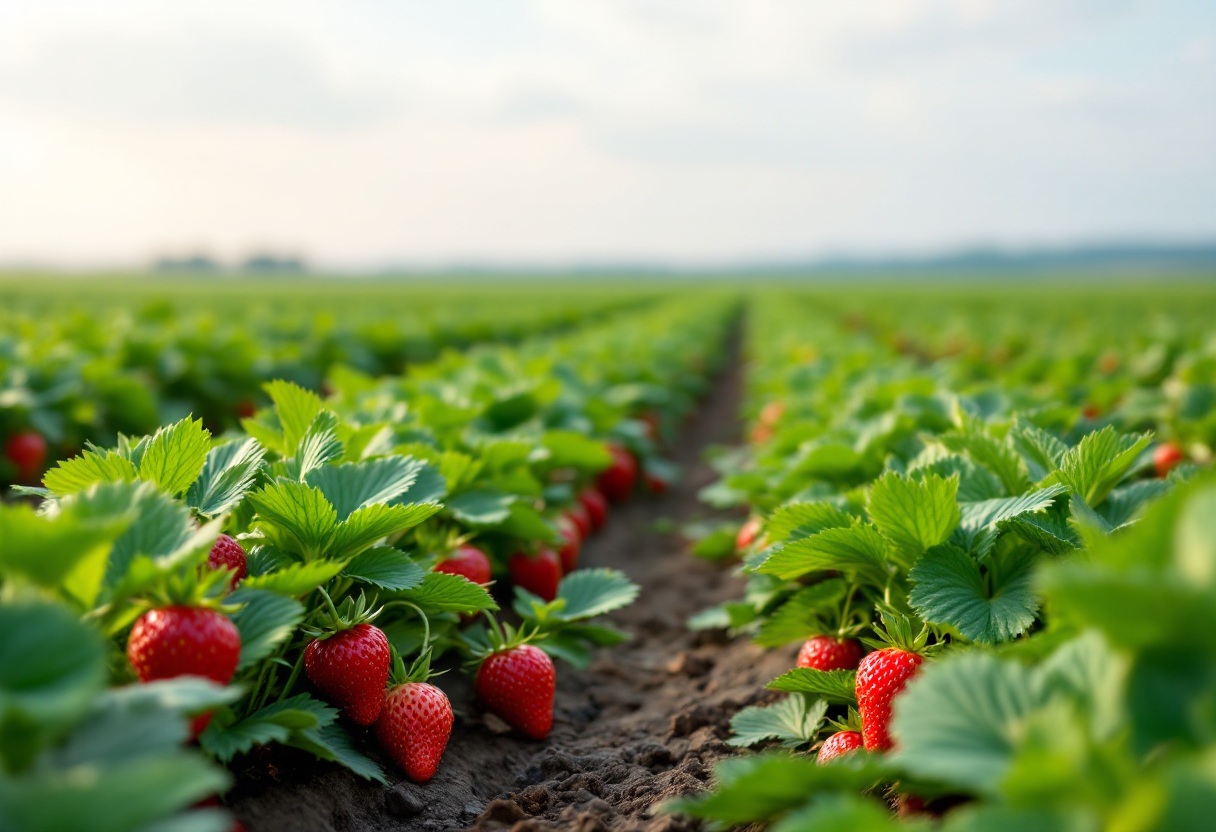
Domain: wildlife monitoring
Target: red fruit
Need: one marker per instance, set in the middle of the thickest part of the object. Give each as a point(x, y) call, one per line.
point(27, 451)
point(184, 641)
point(655, 485)
point(581, 518)
point(838, 745)
point(1167, 457)
point(517, 685)
point(1091, 411)
point(414, 728)
point(539, 574)
point(771, 414)
point(617, 480)
point(828, 653)
point(245, 409)
point(228, 554)
point(596, 505)
point(468, 561)
point(747, 533)
point(351, 669)
point(571, 545)
point(880, 678)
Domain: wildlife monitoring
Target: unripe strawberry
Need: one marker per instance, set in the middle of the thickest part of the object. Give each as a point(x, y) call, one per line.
point(596, 505)
point(414, 728)
point(539, 573)
point(228, 554)
point(828, 653)
point(838, 745)
point(617, 480)
point(468, 561)
point(351, 669)
point(518, 685)
point(881, 677)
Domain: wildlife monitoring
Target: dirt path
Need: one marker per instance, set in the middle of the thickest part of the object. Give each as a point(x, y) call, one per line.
point(645, 722)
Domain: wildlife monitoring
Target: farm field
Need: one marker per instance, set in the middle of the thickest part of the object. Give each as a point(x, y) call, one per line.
point(630, 556)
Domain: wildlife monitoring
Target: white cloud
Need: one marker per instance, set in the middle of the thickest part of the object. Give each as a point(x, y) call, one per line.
point(609, 129)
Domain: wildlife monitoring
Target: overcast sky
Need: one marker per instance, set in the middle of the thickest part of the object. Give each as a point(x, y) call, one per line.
point(556, 131)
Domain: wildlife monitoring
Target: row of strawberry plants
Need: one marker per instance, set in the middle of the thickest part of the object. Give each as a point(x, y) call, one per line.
point(70, 373)
point(1034, 591)
point(294, 582)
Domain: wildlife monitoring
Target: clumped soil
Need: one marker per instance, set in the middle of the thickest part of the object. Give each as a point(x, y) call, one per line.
point(644, 723)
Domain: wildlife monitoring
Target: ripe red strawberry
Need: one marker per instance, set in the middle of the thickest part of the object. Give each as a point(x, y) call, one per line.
point(228, 554)
point(468, 561)
point(880, 678)
point(581, 518)
point(571, 545)
point(829, 653)
point(838, 745)
point(748, 533)
point(245, 409)
point(655, 485)
point(539, 574)
point(1166, 458)
point(1091, 411)
point(27, 451)
point(596, 505)
point(414, 728)
point(517, 684)
point(351, 668)
point(617, 480)
point(184, 641)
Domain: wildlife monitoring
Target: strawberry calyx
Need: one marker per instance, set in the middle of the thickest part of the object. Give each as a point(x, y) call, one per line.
point(497, 637)
point(353, 612)
point(899, 631)
point(851, 722)
point(202, 588)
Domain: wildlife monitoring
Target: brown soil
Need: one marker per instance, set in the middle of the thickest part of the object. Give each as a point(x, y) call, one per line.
point(644, 723)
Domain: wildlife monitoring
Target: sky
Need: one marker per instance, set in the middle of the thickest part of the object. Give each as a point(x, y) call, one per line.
point(549, 132)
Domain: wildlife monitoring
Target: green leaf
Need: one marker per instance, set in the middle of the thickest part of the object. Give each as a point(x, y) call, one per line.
point(357, 485)
point(718, 543)
point(368, 525)
point(331, 742)
point(296, 409)
point(959, 722)
point(1099, 462)
point(1041, 451)
point(51, 667)
point(796, 520)
point(995, 455)
point(265, 621)
point(794, 720)
point(950, 590)
point(483, 507)
point(94, 466)
point(990, 513)
point(47, 550)
point(838, 687)
point(319, 446)
point(976, 483)
point(228, 474)
point(913, 515)
point(568, 449)
point(1049, 530)
point(857, 549)
point(276, 722)
point(305, 518)
point(174, 456)
point(799, 617)
point(592, 592)
point(850, 813)
point(296, 579)
point(385, 567)
point(162, 530)
point(442, 592)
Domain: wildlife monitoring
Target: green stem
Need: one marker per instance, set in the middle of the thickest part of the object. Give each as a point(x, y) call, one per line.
point(848, 602)
point(329, 603)
point(426, 625)
point(291, 680)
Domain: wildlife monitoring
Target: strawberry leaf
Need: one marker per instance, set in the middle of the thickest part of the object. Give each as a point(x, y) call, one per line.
point(798, 520)
point(332, 742)
point(442, 592)
point(368, 525)
point(836, 686)
point(482, 507)
point(591, 592)
point(951, 590)
point(265, 621)
point(914, 515)
point(300, 517)
point(385, 567)
point(982, 521)
point(276, 722)
point(296, 409)
point(228, 474)
point(355, 485)
point(296, 579)
point(794, 720)
point(857, 549)
point(1099, 462)
point(74, 475)
point(799, 617)
point(174, 456)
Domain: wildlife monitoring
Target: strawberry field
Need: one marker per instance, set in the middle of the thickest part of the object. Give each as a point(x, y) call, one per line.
point(379, 556)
